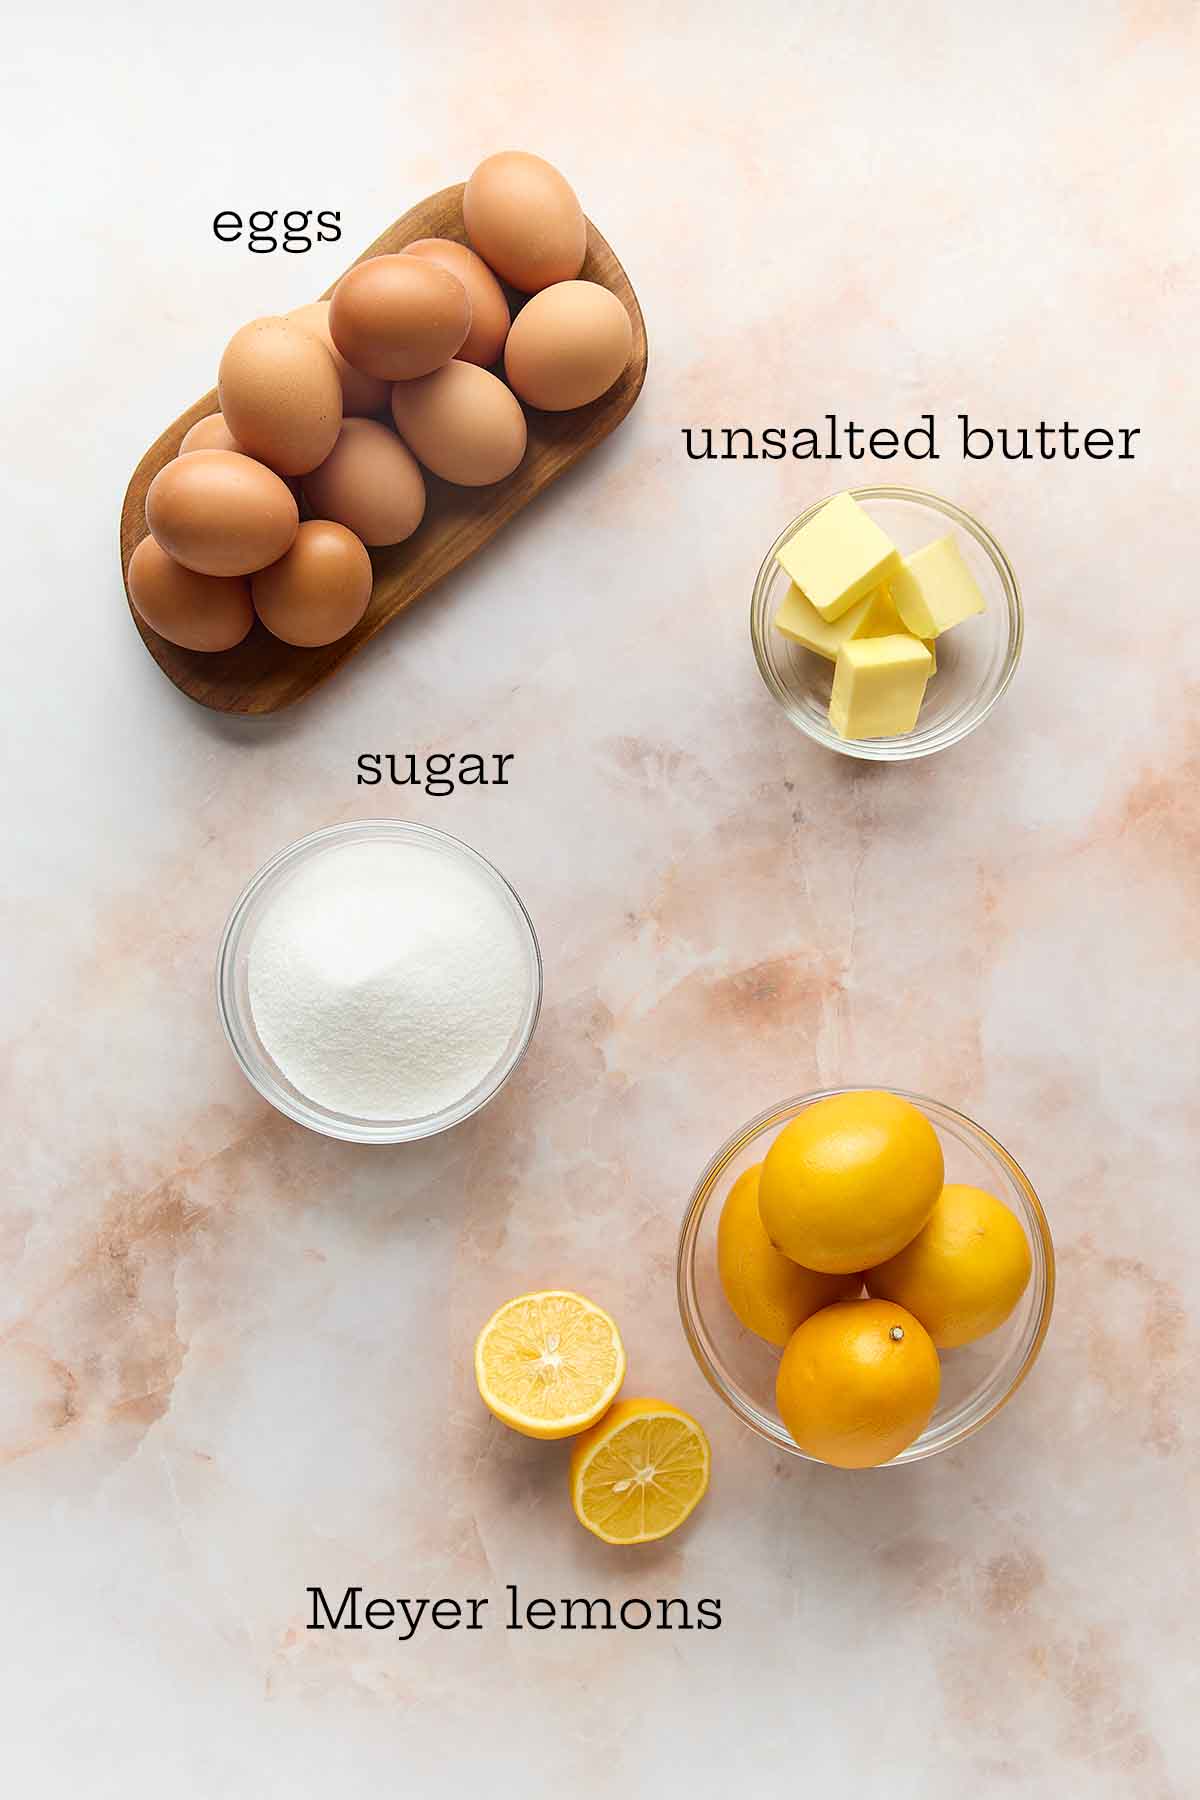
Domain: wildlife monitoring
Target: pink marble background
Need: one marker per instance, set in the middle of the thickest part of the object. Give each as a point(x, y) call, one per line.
point(234, 1358)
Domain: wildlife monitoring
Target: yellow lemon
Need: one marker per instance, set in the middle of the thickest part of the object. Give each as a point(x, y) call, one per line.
point(549, 1364)
point(850, 1181)
point(770, 1293)
point(963, 1272)
point(640, 1472)
point(858, 1382)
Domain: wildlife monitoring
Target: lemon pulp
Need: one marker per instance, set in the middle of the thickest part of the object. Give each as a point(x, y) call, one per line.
point(549, 1364)
point(638, 1474)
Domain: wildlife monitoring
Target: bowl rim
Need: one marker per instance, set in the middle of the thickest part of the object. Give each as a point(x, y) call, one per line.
point(704, 1192)
point(311, 1113)
point(909, 747)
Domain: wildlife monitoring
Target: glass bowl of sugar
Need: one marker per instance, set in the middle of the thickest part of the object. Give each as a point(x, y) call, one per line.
point(379, 981)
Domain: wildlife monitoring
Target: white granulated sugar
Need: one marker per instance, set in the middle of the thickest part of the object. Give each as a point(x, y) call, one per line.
point(388, 979)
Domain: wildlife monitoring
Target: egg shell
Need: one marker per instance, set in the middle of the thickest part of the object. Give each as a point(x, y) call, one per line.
point(398, 317)
point(221, 513)
point(525, 221)
point(462, 423)
point(362, 395)
point(213, 433)
point(370, 483)
point(319, 590)
point(280, 394)
point(567, 346)
point(198, 612)
point(209, 434)
point(490, 317)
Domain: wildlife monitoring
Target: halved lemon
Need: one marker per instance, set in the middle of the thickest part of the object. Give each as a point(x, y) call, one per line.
point(638, 1474)
point(549, 1364)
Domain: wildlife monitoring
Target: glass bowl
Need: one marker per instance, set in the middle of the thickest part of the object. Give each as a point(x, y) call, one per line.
point(975, 662)
point(977, 1380)
point(237, 1018)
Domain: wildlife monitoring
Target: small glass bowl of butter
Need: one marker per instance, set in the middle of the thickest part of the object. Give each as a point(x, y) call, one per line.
point(974, 662)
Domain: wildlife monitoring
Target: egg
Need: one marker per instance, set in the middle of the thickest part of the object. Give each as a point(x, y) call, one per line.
point(397, 317)
point(523, 218)
point(370, 483)
point(567, 345)
point(462, 423)
point(489, 309)
point(209, 434)
point(280, 395)
point(319, 590)
point(362, 394)
point(221, 513)
point(198, 612)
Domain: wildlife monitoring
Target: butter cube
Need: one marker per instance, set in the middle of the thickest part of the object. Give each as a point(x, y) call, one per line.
point(872, 616)
point(839, 556)
point(878, 686)
point(934, 589)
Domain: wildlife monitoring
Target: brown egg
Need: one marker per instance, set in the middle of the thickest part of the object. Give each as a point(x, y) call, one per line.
point(199, 612)
point(462, 423)
point(525, 221)
point(319, 590)
point(362, 395)
point(209, 434)
point(567, 345)
point(221, 513)
point(280, 395)
point(370, 483)
point(398, 317)
point(489, 309)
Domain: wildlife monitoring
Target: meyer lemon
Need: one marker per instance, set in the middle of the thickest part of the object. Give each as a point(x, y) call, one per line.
point(850, 1181)
point(769, 1293)
point(858, 1382)
point(963, 1272)
point(639, 1473)
point(549, 1364)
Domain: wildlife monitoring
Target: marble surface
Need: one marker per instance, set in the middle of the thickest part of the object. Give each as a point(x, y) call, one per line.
point(234, 1358)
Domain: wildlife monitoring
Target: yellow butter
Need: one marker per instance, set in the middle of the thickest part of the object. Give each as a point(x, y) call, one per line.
point(872, 616)
point(838, 557)
point(878, 686)
point(934, 589)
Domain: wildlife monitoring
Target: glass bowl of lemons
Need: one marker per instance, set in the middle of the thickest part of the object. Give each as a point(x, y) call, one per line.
point(865, 1276)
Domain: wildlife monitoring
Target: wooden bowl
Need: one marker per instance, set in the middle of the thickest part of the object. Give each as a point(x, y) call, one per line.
point(262, 674)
